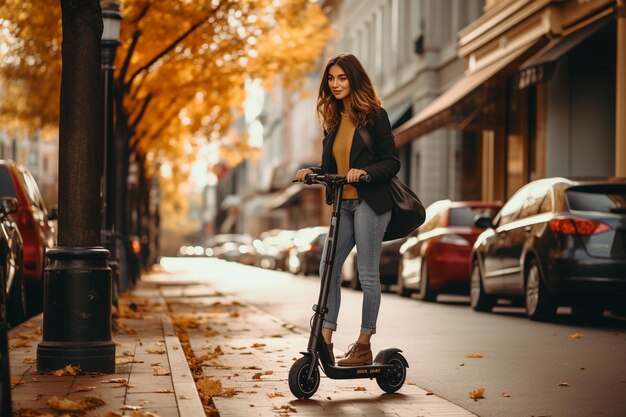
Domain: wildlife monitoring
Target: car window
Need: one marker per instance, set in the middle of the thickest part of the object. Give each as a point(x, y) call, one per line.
point(464, 216)
point(6, 185)
point(534, 197)
point(31, 190)
point(601, 198)
point(511, 208)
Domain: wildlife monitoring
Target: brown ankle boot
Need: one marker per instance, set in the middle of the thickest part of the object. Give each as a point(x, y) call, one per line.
point(358, 354)
point(329, 346)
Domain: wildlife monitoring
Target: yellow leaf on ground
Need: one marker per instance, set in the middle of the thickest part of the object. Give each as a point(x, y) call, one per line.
point(477, 394)
point(360, 389)
point(474, 355)
point(563, 384)
point(156, 349)
point(21, 344)
point(65, 404)
point(128, 353)
point(252, 367)
point(30, 361)
point(84, 388)
point(505, 394)
point(131, 407)
point(275, 394)
point(158, 371)
point(576, 335)
point(209, 387)
point(257, 375)
point(30, 412)
point(229, 392)
point(258, 345)
point(67, 370)
point(269, 372)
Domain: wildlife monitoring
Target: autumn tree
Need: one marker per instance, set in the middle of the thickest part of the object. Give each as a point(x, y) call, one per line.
point(180, 70)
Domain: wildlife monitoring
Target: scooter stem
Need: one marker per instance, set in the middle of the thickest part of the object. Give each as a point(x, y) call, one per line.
point(320, 308)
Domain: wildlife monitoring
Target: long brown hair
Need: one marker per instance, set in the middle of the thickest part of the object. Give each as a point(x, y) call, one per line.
point(364, 101)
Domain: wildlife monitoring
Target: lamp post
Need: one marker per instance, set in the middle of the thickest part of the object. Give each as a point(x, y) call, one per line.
point(111, 19)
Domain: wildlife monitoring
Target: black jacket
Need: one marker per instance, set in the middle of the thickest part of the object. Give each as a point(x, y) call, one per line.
point(381, 167)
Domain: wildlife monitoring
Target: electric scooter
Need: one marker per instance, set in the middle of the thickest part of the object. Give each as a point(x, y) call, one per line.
point(388, 367)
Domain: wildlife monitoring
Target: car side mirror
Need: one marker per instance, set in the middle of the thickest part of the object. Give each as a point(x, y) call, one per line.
point(9, 205)
point(483, 222)
point(54, 213)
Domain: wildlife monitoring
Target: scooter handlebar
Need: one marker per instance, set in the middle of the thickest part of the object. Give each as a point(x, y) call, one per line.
point(332, 178)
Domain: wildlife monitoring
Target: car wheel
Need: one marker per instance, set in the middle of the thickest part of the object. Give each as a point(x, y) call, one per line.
point(479, 300)
point(539, 304)
point(402, 292)
point(426, 293)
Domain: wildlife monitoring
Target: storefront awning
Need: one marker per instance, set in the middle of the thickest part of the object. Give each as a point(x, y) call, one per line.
point(540, 67)
point(441, 112)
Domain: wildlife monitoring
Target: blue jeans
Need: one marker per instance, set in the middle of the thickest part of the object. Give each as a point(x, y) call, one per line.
point(361, 225)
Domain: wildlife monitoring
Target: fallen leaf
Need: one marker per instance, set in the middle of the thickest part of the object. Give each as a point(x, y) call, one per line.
point(164, 391)
point(158, 371)
point(156, 350)
point(21, 344)
point(30, 412)
point(84, 388)
point(229, 392)
point(410, 383)
point(258, 345)
point(575, 335)
point(16, 381)
point(128, 353)
point(209, 387)
point(29, 325)
point(275, 394)
point(125, 361)
point(360, 389)
point(269, 372)
point(477, 394)
point(505, 394)
point(235, 314)
point(328, 398)
point(285, 409)
point(252, 367)
point(257, 375)
point(276, 336)
point(30, 361)
point(430, 393)
point(474, 355)
point(65, 404)
point(131, 407)
point(563, 384)
point(67, 370)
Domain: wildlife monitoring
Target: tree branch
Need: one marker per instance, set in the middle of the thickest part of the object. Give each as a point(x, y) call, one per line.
point(131, 50)
point(141, 14)
point(167, 49)
point(142, 111)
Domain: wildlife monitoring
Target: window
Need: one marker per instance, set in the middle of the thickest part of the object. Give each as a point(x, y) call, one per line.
point(600, 198)
point(512, 207)
point(536, 195)
point(464, 216)
point(6, 185)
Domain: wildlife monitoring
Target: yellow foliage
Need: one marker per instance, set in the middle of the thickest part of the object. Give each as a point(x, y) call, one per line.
point(180, 71)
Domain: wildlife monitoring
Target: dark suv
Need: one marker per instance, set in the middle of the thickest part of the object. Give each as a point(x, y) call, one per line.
point(35, 225)
point(557, 241)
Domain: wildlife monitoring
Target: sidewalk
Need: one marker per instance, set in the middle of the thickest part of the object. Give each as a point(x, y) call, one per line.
point(239, 355)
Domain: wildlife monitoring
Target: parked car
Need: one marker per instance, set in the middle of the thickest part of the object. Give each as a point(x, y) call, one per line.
point(234, 247)
point(389, 264)
point(273, 249)
point(556, 241)
point(11, 273)
point(35, 225)
point(437, 258)
point(305, 256)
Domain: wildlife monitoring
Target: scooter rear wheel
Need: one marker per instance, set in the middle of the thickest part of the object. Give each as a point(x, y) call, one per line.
point(393, 381)
point(299, 384)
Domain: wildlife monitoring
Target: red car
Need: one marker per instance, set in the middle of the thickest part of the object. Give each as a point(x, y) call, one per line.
point(35, 225)
point(436, 258)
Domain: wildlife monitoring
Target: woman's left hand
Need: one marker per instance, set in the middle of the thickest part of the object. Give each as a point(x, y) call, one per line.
point(354, 174)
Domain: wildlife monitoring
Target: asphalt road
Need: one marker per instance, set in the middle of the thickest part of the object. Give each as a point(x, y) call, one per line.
point(527, 368)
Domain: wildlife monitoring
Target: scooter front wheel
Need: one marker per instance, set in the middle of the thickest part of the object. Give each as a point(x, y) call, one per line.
point(299, 384)
point(393, 381)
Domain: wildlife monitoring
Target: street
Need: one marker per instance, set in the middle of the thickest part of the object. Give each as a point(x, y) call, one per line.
point(527, 368)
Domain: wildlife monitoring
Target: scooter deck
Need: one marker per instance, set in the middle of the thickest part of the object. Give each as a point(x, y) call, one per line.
point(364, 371)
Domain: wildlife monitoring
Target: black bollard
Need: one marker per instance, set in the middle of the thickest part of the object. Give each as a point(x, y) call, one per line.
point(77, 305)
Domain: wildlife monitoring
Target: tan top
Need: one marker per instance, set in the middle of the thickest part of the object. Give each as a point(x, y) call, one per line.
point(341, 153)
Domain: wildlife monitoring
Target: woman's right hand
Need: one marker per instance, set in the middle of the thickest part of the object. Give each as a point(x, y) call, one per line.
point(303, 173)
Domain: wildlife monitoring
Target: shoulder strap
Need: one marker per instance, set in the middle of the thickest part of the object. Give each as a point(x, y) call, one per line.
point(367, 138)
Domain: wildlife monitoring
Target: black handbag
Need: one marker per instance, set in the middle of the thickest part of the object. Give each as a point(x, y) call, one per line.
point(407, 213)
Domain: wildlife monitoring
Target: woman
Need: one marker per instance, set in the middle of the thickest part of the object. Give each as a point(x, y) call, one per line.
point(347, 102)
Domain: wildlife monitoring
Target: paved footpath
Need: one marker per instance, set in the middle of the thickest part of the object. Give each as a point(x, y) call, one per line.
point(240, 359)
